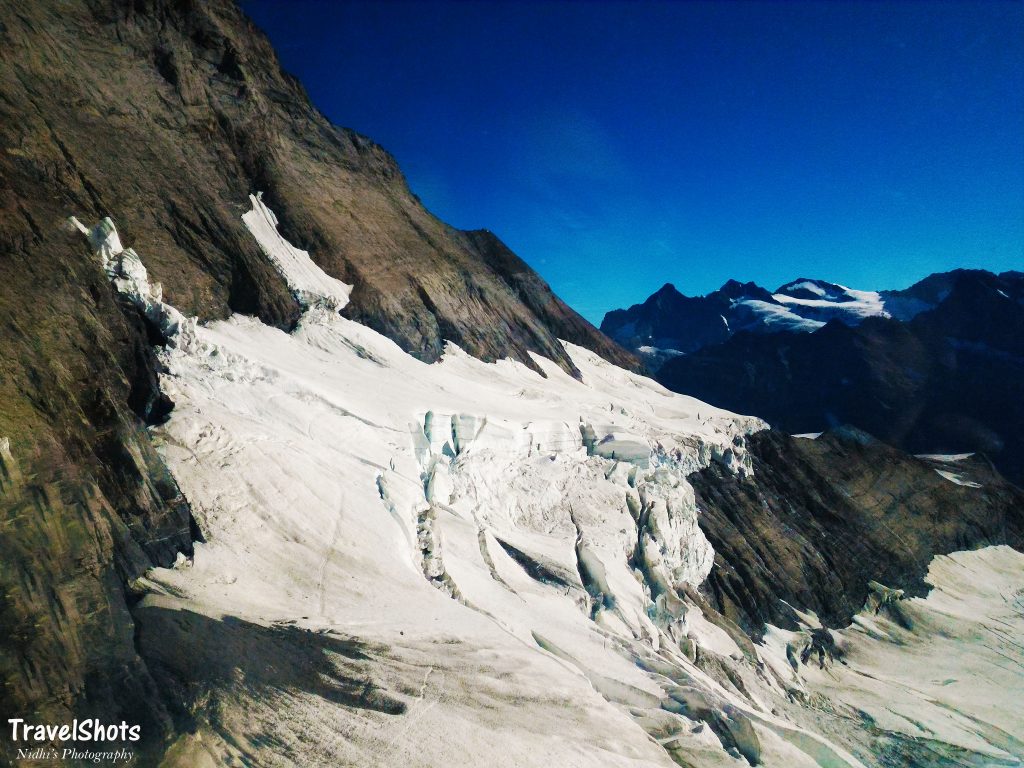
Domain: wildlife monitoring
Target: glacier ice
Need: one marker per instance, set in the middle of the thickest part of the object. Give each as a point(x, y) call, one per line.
point(308, 283)
point(521, 551)
point(125, 269)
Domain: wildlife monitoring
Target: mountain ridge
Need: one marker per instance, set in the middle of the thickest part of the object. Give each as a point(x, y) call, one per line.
point(671, 322)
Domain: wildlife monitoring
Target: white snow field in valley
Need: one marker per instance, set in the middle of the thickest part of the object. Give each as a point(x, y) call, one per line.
point(487, 542)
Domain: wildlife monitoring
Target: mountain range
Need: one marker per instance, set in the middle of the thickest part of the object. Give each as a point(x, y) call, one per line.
point(294, 473)
point(669, 323)
point(935, 368)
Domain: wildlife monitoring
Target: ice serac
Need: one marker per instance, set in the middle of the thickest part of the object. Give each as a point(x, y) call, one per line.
point(126, 271)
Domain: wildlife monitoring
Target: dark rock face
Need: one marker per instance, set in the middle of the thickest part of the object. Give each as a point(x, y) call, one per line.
point(166, 115)
point(85, 502)
point(670, 320)
point(947, 381)
point(921, 296)
point(821, 518)
point(537, 297)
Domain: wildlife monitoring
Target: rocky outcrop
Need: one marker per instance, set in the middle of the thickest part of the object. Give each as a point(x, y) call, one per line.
point(85, 503)
point(65, 556)
point(819, 520)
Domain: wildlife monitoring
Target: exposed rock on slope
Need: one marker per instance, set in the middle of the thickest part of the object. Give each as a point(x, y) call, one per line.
point(85, 503)
point(819, 519)
point(671, 321)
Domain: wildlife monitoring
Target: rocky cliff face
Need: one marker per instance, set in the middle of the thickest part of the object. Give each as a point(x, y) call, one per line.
point(822, 518)
point(175, 112)
point(167, 115)
point(85, 502)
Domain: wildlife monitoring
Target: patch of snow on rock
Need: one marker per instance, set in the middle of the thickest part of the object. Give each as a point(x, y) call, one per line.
point(953, 477)
point(309, 284)
point(780, 318)
point(853, 305)
point(945, 457)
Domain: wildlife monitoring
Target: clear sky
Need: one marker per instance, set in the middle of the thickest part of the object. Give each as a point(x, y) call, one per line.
point(619, 146)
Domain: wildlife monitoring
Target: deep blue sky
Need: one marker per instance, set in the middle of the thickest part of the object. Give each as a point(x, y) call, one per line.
point(619, 146)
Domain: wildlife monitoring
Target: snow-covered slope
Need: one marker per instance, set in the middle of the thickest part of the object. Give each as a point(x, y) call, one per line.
point(944, 670)
point(494, 563)
point(818, 301)
point(307, 282)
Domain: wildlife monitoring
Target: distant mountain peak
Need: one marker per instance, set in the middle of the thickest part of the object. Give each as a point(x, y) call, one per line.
point(938, 372)
point(734, 289)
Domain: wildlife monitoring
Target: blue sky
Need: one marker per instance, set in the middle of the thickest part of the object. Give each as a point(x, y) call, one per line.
point(619, 146)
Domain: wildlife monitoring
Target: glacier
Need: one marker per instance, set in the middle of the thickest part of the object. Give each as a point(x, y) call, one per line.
point(833, 301)
point(513, 552)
